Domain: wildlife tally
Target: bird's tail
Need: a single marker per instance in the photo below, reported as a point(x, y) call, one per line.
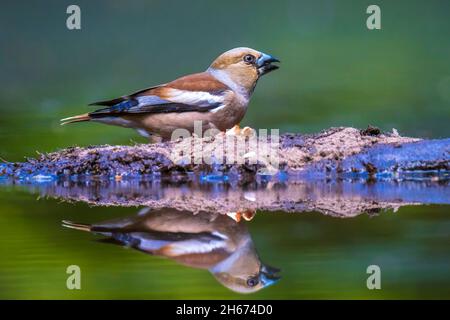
point(77, 226)
point(79, 118)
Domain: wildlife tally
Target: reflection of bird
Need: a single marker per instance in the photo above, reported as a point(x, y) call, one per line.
point(203, 240)
point(217, 97)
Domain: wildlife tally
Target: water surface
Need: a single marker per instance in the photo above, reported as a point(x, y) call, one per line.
point(153, 239)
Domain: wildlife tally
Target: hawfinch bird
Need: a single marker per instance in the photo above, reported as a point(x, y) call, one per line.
point(205, 240)
point(218, 97)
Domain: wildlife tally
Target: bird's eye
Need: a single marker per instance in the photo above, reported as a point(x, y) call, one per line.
point(251, 282)
point(248, 58)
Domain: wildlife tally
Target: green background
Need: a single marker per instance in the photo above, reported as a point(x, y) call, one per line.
point(334, 72)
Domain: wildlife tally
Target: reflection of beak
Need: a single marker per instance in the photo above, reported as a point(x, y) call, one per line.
point(268, 269)
point(269, 275)
point(264, 64)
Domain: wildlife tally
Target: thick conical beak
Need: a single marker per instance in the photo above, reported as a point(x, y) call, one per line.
point(264, 63)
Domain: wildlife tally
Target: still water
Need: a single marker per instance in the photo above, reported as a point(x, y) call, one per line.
point(291, 239)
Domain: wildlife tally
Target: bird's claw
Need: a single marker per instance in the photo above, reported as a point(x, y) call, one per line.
point(237, 131)
point(248, 132)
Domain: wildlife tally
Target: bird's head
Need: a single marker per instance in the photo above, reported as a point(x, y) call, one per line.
point(242, 67)
point(245, 282)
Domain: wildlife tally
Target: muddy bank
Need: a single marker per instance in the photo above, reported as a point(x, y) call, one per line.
point(332, 153)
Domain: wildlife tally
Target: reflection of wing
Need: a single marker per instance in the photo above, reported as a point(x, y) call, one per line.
point(199, 241)
point(198, 92)
point(200, 250)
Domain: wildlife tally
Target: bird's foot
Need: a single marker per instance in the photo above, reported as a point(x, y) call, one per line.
point(237, 131)
point(248, 132)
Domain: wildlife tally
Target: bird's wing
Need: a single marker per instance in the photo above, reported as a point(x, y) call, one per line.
point(197, 92)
